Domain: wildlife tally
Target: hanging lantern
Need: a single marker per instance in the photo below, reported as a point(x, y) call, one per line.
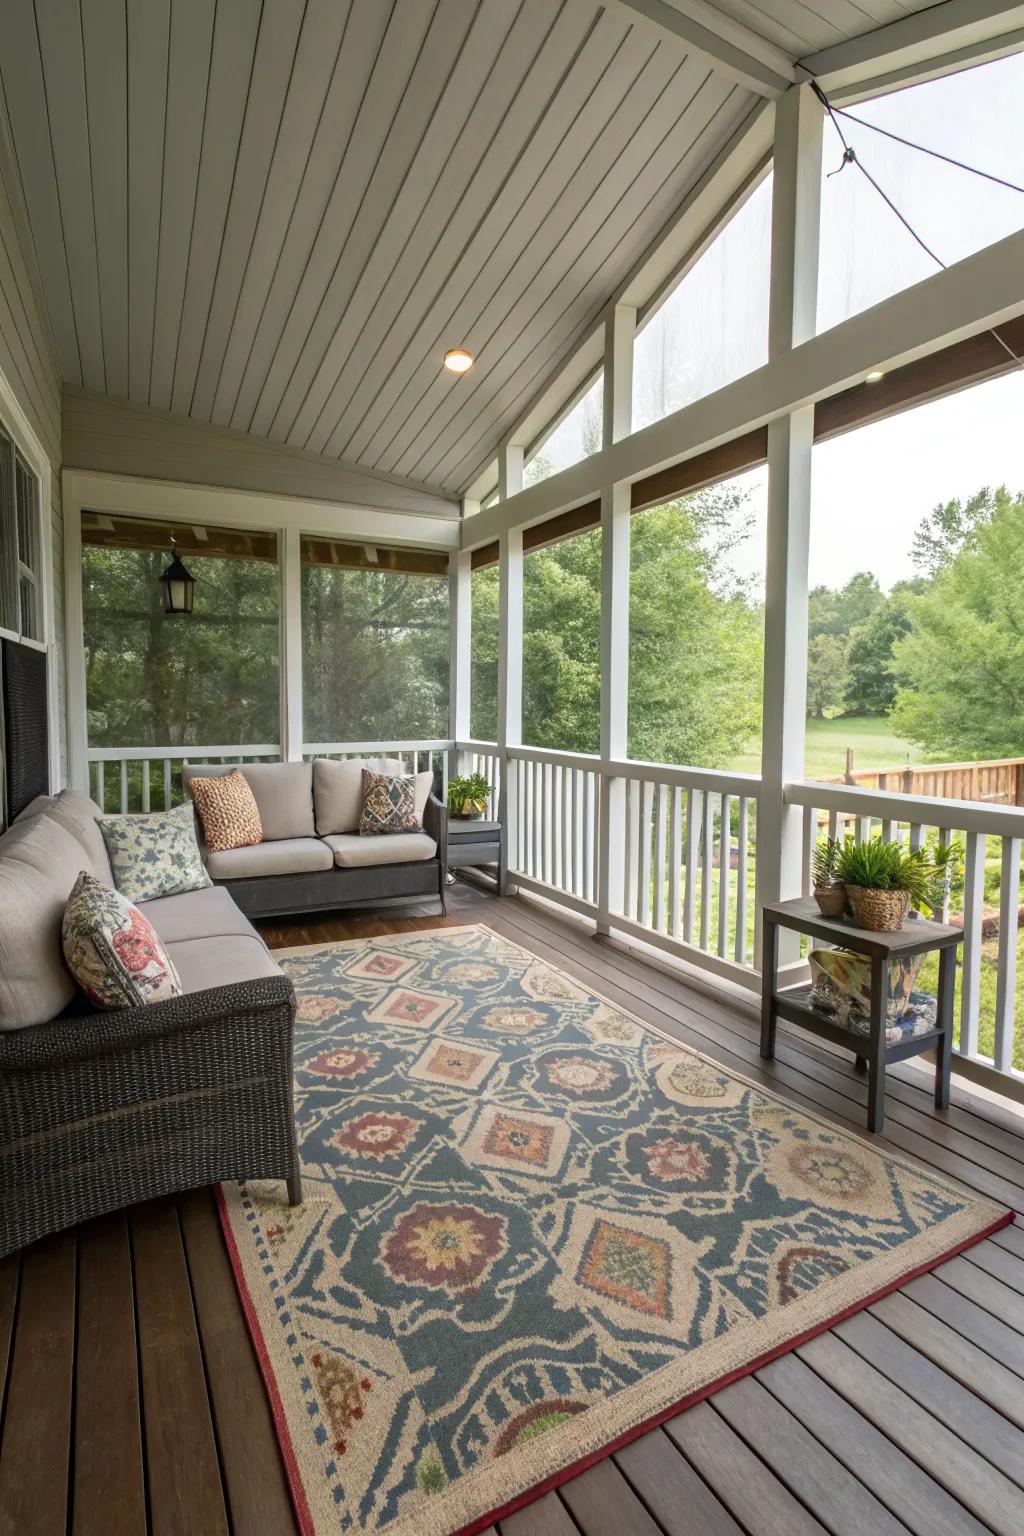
point(179, 585)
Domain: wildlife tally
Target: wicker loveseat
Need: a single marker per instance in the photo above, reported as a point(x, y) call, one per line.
point(99, 1110)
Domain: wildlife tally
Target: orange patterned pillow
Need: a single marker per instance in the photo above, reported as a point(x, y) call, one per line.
point(228, 811)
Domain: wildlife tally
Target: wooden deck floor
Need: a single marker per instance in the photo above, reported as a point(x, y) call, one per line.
point(132, 1400)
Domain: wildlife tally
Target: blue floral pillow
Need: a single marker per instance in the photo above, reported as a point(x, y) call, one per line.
point(154, 855)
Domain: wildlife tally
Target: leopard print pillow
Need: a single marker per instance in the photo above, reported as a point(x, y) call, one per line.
point(228, 811)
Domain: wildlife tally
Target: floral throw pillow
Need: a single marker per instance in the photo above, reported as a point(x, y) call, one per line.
point(154, 855)
point(389, 804)
point(228, 811)
point(112, 951)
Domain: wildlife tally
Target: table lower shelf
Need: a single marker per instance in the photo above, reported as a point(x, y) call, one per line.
point(792, 1005)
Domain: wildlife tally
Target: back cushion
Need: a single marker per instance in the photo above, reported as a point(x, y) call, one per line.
point(338, 791)
point(82, 815)
point(40, 861)
point(283, 791)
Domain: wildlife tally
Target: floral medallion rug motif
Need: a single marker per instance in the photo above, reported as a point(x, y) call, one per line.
point(532, 1227)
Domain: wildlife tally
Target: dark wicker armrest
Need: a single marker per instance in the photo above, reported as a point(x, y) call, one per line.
point(81, 1037)
point(435, 822)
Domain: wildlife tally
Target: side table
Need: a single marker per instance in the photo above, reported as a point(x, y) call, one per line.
point(917, 937)
point(474, 842)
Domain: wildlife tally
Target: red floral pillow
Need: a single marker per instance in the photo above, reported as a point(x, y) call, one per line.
point(112, 950)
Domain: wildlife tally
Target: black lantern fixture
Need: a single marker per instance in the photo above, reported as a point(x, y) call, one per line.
point(179, 585)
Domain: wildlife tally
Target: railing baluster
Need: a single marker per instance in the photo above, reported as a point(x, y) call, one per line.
point(974, 895)
point(740, 951)
point(580, 833)
point(590, 792)
point(943, 914)
point(632, 846)
point(101, 786)
point(693, 800)
point(565, 871)
point(916, 835)
point(659, 859)
point(724, 871)
point(1006, 967)
point(675, 859)
point(547, 809)
point(124, 786)
point(707, 839)
point(145, 784)
point(833, 825)
point(537, 817)
point(643, 892)
point(810, 839)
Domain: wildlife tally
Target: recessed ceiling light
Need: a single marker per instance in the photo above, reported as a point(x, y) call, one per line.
point(458, 360)
point(874, 376)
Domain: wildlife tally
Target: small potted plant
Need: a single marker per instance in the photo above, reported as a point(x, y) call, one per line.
point(829, 890)
point(468, 795)
point(884, 880)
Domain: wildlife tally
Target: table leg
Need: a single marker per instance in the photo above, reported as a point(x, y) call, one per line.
point(769, 965)
point(944, 1019)
point(876, 1062)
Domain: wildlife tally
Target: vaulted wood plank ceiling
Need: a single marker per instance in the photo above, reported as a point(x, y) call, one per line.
point(277, 216)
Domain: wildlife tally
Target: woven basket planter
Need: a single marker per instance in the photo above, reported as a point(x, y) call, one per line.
point(879, 911)
point(831, 899)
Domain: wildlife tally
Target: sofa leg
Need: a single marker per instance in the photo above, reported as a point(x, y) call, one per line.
point(295, 1189)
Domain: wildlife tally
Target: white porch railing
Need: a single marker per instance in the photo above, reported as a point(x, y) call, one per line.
point(123, 779)
point(991, 840)
point(553, 846)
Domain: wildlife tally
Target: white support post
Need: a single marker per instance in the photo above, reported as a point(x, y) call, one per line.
point(511, 458)
point(74, 640)
point(796, 204)
point(460, 620)
point(291, 646)
point(620, 330)
point(510, 681)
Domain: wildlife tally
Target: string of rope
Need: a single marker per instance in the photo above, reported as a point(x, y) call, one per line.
point(850, 157)
point(862, 122)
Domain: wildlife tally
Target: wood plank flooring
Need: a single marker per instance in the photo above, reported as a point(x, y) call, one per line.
point(132, 1401)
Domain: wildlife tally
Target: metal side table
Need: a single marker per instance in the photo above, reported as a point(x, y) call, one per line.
point(474, 843)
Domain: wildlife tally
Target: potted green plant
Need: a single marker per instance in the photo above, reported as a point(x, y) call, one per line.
point(829, 890)
point(468, 795)
point(884, 880)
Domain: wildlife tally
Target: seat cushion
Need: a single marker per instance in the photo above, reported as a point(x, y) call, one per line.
point(283, 791)
point(40, 860)
point(286, 856)
point(206, 914)
point(112, 950)
point(227, 810)
point(338, 790)
point(352, 851)
point(155, 854)
point(205, 963)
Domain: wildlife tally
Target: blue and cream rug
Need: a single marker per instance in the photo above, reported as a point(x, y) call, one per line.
point(533, 1227)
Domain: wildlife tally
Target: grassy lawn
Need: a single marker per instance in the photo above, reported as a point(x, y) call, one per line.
point(874, 744)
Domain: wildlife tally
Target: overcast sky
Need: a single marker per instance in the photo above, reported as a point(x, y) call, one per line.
point(872, 488)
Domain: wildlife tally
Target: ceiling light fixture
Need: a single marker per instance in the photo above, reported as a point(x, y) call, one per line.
point(874, 376)
point(458, 360)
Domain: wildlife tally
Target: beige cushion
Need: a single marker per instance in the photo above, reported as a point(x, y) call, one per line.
point(284, 793)
point(287, 856)
point(205, 963)
point(353, 852)
point(40, 860)
point(338, 790)
point(206, 914)
point(83, 814)
point(228, 812)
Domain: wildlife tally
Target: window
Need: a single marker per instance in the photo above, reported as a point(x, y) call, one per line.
point(208, 678)
point(696, 642)
point(562, 645)
point(576, 437)
point(374, 643)
point(21, 595)
point(977, 117)
point(916, 606)
point(714, 327)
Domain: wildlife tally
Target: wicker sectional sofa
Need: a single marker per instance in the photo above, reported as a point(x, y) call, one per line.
point(102, 1109)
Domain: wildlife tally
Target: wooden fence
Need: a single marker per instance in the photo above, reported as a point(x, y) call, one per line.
point(999, 781)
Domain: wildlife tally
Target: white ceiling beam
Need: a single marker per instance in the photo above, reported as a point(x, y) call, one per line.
point(971, 296)
point(915, 43)
point(746, 57)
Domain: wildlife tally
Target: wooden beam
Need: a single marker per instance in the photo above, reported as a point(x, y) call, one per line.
point(970, 297)
point(912, 42)
point(734, 50)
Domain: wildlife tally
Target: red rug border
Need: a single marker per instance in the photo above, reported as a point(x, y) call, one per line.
point(564, 1474)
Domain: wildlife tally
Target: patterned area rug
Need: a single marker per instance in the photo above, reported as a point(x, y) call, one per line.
point(533, 1226)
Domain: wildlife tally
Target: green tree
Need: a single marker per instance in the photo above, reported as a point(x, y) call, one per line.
point(952, 526)
point(870, 681)
point(961, 665)
point(826, 672)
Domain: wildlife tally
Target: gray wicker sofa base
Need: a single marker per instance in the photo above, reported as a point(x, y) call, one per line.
point(101, 1109)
